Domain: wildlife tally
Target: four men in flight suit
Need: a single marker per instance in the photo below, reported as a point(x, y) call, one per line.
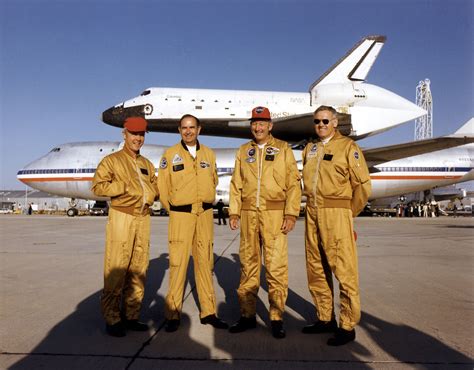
point(129, 180)
point(187, 181)
point(265, 196)
point(337, 186)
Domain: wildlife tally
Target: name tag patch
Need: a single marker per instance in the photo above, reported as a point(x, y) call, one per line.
point(327, 157)
point(269, 157)
point(178, 167)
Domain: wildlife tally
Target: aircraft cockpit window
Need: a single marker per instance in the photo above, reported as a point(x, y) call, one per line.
point(146, 92)
point(55, 149)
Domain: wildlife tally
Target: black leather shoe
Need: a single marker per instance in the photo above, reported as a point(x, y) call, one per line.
point(136, 325)
point(214, 321)
point(342, 337)
point(277, 329)
point(116, 330)
point(320, 327)
point(172, 325)
point(243, 324)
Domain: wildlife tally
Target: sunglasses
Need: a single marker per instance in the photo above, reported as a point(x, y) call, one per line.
point(324, 121)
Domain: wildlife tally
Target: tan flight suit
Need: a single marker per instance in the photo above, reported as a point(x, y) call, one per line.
point(337, 185)
point(187, 190)
point(131, 184)
point(265, 188)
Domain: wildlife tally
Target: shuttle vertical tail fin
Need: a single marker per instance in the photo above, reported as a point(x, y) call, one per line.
point(355, 65)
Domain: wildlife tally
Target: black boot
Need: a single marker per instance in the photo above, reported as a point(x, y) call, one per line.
point(342, 337)
point(214, 321)
point(135, 325)
point(172, 325)
point(243, 324)
point(116, 330)
point(277, 329)
point(320, 327)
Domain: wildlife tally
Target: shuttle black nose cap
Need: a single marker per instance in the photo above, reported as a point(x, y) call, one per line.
point(114, 116)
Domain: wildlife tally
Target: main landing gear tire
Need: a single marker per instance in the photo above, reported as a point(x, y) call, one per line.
point(71, 212)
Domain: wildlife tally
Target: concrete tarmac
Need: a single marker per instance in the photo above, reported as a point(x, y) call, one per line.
point(416, 278)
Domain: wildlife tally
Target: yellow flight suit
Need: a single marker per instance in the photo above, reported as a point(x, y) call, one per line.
point(187, 190)
point(265, 187)
point(132, 186)
point(337, 186)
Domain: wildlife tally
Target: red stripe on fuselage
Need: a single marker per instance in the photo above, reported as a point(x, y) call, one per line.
point(56, 179)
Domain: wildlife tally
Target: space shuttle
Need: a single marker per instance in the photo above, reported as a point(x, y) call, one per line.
point(363, 109)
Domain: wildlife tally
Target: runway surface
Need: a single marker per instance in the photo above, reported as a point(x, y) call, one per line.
point(416, 278)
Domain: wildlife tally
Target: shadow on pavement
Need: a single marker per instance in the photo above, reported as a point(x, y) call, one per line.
point(409, 345)
point(82, 333)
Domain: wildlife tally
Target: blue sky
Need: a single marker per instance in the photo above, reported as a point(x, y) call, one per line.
point(64, 62)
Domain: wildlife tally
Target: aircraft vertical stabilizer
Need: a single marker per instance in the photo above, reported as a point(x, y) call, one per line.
point(467, 128)
point(355, 65)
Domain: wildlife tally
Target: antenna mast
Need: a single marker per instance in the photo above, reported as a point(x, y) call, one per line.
point(424, 124)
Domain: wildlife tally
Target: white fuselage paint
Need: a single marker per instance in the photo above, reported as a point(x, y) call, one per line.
point(68, 169)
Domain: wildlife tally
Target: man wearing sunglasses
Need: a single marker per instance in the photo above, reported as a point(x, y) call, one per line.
point(265, 197)
point(337, 186)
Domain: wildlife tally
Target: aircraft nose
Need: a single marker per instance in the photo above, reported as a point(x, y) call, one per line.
point(116, 115)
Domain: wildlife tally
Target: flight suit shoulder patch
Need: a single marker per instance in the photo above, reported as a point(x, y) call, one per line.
point(163, 163)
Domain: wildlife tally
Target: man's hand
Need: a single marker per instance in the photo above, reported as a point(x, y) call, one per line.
point(234, 222)
point(288, 224)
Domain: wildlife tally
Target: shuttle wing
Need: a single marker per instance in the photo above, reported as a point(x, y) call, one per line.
point(384, 154)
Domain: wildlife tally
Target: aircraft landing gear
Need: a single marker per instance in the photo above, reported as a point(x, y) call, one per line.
point(71, 212)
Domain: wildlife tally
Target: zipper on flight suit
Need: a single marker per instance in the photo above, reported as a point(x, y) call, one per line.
point(259, 172)
point(316, 173)
point(143, 187)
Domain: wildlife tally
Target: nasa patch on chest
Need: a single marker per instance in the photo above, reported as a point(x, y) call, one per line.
point(177, 159)
point(204, 164)
point(271, 150)
point(313, 151)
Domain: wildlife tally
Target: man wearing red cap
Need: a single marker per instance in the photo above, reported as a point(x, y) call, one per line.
point(265, 196)
point(187, 181)
point(129, 180)
point(337, 185)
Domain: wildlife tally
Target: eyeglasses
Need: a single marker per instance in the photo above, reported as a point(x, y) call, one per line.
point(324, 121)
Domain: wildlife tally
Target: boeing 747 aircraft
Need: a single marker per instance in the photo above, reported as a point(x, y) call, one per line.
point(364, 109)
point(68, 169)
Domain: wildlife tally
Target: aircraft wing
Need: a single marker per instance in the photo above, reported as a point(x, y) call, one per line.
point(375, 156)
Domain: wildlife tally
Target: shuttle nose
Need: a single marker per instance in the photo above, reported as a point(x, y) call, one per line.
point(115, 116)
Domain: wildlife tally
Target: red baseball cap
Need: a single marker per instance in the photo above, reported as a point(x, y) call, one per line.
point(136, 124)
point(260, 114)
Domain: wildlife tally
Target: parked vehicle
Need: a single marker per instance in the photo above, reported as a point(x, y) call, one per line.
point(100, 208)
